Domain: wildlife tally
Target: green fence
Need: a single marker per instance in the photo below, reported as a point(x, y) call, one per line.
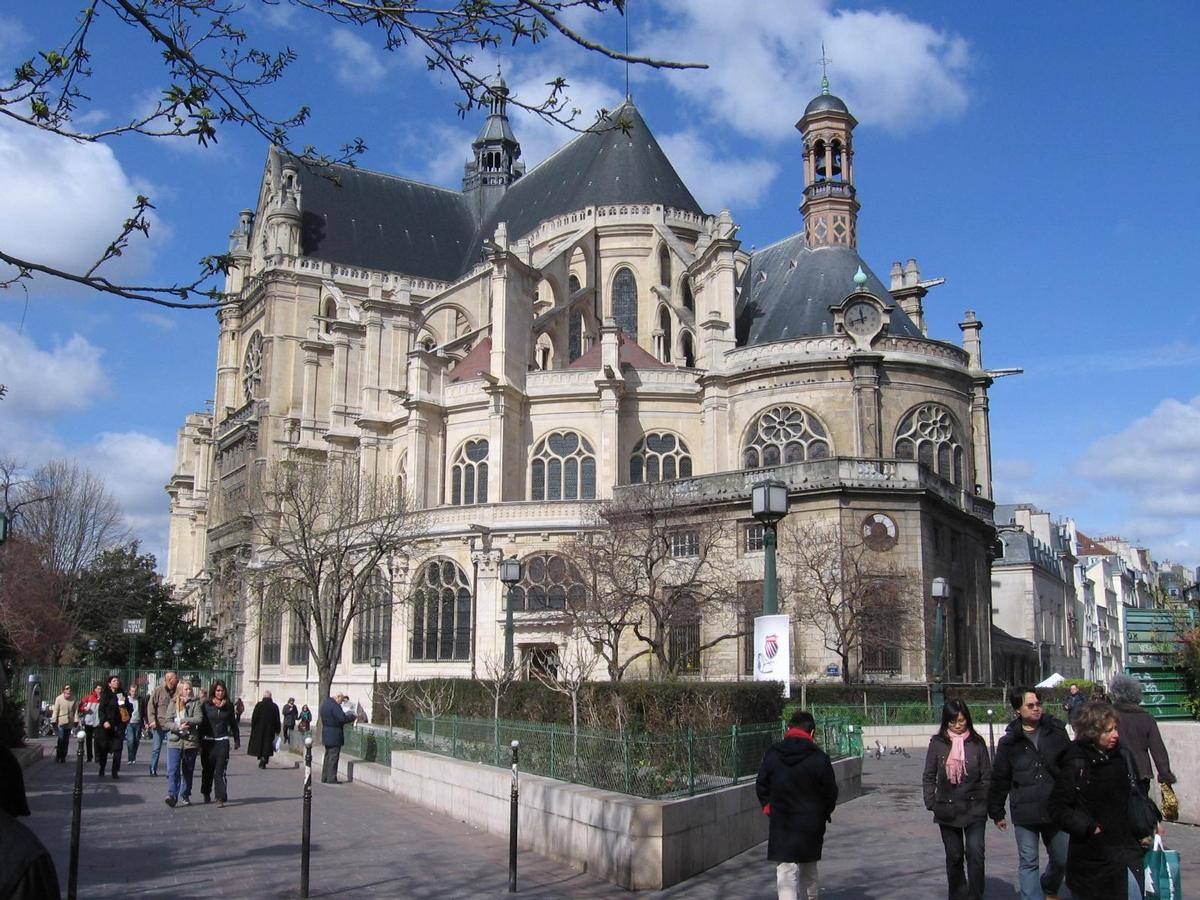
point(81, 678)
point(657, 766)
point(880, 714)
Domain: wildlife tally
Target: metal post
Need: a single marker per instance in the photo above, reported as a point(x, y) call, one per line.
point(939, 660)
point(76, 814)
point(770, 580)
point(306, 834)
point(991, 734)
point(512, 823)
point(508, 631)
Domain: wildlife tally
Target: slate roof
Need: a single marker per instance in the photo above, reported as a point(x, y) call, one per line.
point(823, 102)
point(787, 289)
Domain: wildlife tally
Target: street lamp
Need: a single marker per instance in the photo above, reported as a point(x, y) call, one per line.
point(159, 656)
point(940, 591)
point(177, 648)
point(510, 574)
point(769, 504)
point(92, 645)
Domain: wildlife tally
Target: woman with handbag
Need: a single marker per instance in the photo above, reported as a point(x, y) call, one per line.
point(958, 772)
point(113, 712)
point(1098, 800)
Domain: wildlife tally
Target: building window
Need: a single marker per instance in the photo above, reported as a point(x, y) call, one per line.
point(252, 366)
point(930, 435)
point(548, 582)
point(685, 544)
point(469, 474)
point(688, 301)
point(659, 456)
point(664, 325)
point(564, 468)
point(785, 434)
point(271, 638)
point(441, 613)
point(750, 595)
point(625, 303)
point(878, 660)
point(298, 639)
point(574, 335)
point(373, 625)
point(683, 646)
point(664, 266)
point(753, 538)
point(688, 349)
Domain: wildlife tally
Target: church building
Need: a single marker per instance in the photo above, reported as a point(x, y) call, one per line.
point(515, 353)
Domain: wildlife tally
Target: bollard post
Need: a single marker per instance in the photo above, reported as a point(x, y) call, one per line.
point(306, 833)
point(76, 814)
point(991, 735)
point(512, 824)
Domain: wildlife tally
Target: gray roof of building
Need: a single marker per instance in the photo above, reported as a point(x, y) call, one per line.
point(826, 102)
point(787, 289)
point(496, 128)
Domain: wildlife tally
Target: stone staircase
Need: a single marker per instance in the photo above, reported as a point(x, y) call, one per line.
point(1149, 638)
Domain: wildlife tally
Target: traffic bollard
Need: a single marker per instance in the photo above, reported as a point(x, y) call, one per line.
point(991, 735)
point(306, 836)
point(76, 813)
point(512, 824)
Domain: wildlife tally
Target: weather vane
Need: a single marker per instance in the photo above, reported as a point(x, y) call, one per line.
point(824, 61)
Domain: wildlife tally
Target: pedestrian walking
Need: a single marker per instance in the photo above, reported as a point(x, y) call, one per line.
point(137, 722)
point(63, 715)
point(265, 726)
point(334, 719)
point(1091, 801)
point(220, 728)
point(956, 780)
point(238, 709)
point(89, 714)
point(113, 711)
point(1139, 731)
point(1028, 758)
point(797, 790)
point(1075, 701)
point(290, 713)
point(304, 720)
point(159, 710)
point(183, 743)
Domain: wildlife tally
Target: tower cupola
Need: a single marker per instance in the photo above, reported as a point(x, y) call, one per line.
point(829, 207)
point(495, 164)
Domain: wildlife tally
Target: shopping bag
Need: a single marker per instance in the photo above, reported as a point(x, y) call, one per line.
point(1162, 872)
point(277, 745)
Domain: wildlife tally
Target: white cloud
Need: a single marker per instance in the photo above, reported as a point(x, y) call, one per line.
point(717, 183)
point(136, 466)
point(360, 65)
point(891, 70)
point(48, 383)
point(436, 154)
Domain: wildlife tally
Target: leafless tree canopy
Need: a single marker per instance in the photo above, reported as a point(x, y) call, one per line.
point(214, 73)
point(853, 597)
point(652, 566)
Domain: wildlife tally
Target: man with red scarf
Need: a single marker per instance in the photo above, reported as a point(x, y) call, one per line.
point(798, 791)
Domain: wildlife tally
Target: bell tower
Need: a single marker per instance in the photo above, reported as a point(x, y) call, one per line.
point(829, 208)
point(496, 152)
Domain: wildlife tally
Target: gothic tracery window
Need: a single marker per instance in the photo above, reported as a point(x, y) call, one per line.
point(252, 366)
point(563, 468)
point(930, 435)
point(625, 303)
point(785, 434)
point(373, 626)
point(298, 639)
point(548, 581)
point(271, 635)
point(469, 474)
point(659, 456)
point(441, 608)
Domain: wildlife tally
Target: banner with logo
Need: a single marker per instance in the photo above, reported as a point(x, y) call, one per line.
point(773, 650)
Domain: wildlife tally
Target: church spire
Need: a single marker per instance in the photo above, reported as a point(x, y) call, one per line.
point(829, 207)
point(496, 151)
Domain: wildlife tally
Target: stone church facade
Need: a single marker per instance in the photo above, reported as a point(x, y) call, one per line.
point(513, 354)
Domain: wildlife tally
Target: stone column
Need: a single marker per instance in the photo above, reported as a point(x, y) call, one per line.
point(227, 397)
point(865, 368)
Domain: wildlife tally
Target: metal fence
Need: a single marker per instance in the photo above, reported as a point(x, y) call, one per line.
point(656, 766)
point(880, 714)
point(81, 678)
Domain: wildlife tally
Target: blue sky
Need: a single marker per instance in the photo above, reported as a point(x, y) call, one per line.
point(1038, 158)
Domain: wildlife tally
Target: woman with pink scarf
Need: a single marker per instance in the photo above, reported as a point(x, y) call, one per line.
point(958, 771)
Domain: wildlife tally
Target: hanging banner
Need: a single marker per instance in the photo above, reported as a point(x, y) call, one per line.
point(773, 650)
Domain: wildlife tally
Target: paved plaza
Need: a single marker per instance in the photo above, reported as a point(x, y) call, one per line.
point(370, 844)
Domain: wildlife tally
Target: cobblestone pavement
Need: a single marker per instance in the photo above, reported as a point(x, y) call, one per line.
point(370, 844)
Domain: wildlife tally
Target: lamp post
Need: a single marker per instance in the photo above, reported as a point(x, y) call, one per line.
point(177, 648)
point(376, 662)
point(940, 590)
point(159, 656)
point(510, 574)
point(769, 504)
point(92, 645)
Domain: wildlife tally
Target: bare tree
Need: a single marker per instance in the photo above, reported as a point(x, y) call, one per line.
point(389, 693)
point(856, 600)
point(214, 75)
point(322, 531)
point(433, 698)
point(498, 678)
point(657, 571)
point(574, 672)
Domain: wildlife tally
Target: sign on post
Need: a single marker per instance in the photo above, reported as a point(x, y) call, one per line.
point(133, 626)
point(773, 650)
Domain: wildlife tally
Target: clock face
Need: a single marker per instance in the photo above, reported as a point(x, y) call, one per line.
point(879, 532)
point(862, 318)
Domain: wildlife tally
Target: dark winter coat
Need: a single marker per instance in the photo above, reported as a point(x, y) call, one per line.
point(1092, 790)
point(798, 790)
point(959, 804)
point(219, 722)
point(289, 715)
point(1073, 705)
point(1141, 737)
point(333, 720)
point(1024, 774)
point(110, 711)
point(264, 726)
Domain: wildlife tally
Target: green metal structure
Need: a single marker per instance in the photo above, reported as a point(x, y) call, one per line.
point(1150, 639)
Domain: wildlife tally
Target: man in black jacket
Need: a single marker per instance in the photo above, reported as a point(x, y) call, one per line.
point(1023, 772)
point(798, 791)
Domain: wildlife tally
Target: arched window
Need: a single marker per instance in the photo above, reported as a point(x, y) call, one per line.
point(298, 638)
point(563, 468)
point(819, 160)
point(664, 325)
point(441, 613)
point(271, 634)
point(664, 266)
point(548, 582)
point(575, 335)
point(328, 313)
point(689, 302)
point(252, 366)
point(836, 151)
point(625, 303)
point(469, 474)
point(784, 434)
point(930, 435)
point(402, 477)
point(659, 456)
point(688, 350)
point(373, 625)
point(572, 285)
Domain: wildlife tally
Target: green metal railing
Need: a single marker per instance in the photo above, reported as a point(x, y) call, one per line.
point(81, 678)
point(880, 714)
point(656, 766)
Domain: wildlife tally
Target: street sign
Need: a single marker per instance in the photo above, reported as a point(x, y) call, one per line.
point(832, 670)
point(134, 626)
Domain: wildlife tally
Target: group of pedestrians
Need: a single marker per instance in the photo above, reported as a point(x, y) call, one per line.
point(1079, 799)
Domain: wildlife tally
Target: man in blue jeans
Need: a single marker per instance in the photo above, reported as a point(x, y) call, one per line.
point(1027, 761)
point(158, 714)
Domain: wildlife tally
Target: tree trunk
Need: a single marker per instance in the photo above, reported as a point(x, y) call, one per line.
point(845, 657)
point(324, 686)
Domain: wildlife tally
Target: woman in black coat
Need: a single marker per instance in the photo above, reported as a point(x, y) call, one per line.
point(114, 712)
point(1090, 802)
point(958, 773)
